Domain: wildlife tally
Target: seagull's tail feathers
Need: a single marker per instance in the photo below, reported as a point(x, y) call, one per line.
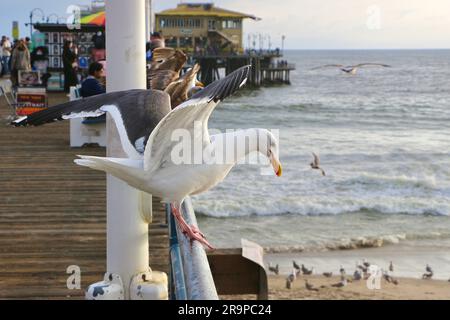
point(128, 170)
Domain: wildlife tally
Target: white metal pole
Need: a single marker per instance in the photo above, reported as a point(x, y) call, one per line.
point(148, 19)
point(127, 233)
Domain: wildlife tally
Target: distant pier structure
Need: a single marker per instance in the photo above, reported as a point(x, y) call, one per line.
point(213, 37)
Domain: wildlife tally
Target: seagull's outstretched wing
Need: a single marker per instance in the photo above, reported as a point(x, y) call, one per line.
point(368, 64)
point(196, 109)
point(135, 112)
point(328, 66)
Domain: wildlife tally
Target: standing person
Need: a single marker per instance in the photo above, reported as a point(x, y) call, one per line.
point(20, 61)
point(5, 53)
point(28, 43)
point(69, 58)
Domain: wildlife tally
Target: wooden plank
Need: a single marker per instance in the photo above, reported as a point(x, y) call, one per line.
point(53, 213)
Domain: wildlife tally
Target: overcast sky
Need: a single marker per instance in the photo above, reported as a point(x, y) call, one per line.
point(307, 24)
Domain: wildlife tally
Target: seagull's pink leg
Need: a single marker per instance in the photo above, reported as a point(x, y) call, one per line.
point(191, 232)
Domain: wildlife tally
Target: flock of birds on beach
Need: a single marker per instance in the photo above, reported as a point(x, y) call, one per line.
point(362, 272)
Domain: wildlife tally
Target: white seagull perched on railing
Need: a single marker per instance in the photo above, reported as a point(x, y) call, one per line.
point(156, 172)
point(352, 69)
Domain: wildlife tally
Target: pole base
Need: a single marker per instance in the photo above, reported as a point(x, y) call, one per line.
point(111, 288)
point(151, 285)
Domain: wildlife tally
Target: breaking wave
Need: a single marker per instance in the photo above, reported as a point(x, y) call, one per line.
point(356, 243)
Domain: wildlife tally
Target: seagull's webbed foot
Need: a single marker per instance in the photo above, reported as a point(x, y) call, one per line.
point(190, 231)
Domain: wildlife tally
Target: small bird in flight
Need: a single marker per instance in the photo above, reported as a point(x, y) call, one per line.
point(316, 164)
point(352, 69)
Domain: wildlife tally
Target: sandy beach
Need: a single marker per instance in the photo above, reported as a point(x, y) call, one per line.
point(407, 289)
point(409, 265)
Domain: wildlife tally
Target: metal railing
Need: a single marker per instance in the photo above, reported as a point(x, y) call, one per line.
point(191, 276)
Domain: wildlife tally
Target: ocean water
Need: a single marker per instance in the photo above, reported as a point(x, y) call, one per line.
point(384, 141)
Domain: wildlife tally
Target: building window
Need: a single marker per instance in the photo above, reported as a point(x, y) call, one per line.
point(191, 23)
point(211, 24)
point(231, 24)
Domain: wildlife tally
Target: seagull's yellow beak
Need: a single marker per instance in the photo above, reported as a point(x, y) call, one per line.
point(277, 168)
point(199, 84)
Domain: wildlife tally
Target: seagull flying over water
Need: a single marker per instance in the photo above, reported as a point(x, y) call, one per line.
point(352, 69)
point(152, 168)
point(316, 164)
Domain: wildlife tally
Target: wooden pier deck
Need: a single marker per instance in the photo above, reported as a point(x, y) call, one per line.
point(53, 213)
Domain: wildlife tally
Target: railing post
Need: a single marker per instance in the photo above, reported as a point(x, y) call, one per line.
point(199, 280)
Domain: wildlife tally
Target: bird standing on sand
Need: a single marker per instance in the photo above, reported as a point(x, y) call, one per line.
point(327, 274)
point(342, 271)
point(290, 279)
point(316, 164)
point(288, 283)
point(357, 275)
point(275, 269)
point(306, 271)
point(389, 278)
point(391, 267)
point(341, 283)
point(295, 265)
point(352, 69)
point(310, 287)
point(428, 274)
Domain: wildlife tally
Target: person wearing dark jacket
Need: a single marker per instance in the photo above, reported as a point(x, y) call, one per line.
point(91, 86)
point(69, 58)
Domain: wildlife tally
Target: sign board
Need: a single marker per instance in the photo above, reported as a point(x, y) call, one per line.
point(29, 78)
point(30, 100)
point(15, 30)
point(186, 32)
